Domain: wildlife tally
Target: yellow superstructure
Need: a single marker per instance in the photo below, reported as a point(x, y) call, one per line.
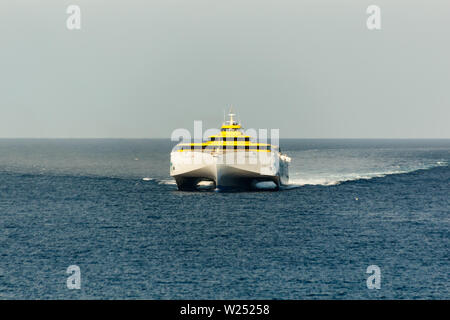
point(230, 138)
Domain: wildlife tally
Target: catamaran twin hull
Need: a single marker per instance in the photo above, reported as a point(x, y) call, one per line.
point(232, 169)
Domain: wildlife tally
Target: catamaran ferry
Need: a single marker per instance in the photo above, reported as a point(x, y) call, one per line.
point(229, 159)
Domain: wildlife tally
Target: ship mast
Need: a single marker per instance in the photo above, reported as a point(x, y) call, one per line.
point(231, 114)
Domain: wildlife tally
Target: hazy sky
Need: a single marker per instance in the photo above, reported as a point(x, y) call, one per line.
point(144, 68)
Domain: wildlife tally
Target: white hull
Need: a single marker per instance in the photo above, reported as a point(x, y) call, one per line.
point(230, 169)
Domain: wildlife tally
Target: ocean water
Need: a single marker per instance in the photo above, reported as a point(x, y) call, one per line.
point(110, 207)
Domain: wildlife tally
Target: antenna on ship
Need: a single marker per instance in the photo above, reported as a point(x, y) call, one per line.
point(231, 114)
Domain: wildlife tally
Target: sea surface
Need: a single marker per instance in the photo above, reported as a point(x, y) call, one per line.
point(111, 208)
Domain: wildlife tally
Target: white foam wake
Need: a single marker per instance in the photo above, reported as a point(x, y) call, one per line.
point(333, 179)
point(167, 181)
point(160, 181)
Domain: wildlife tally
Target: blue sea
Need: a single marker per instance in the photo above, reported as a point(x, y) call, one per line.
point(111, 208)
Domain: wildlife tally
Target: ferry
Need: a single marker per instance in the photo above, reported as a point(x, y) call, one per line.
point(228, 160)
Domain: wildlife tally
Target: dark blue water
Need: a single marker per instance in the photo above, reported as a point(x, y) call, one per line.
point(110, 207)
